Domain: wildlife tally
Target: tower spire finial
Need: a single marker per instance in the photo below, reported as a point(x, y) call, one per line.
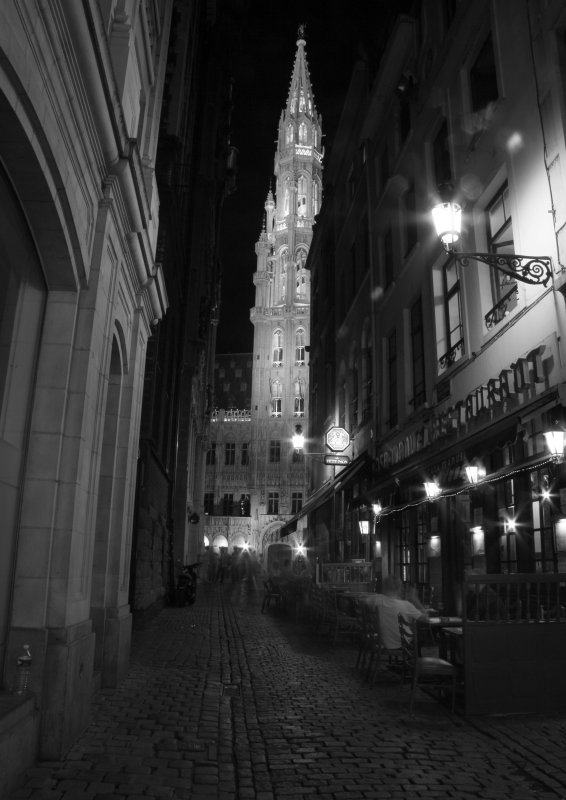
point(302, 30)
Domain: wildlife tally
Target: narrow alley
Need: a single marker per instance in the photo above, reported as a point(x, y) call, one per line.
point(222, 701)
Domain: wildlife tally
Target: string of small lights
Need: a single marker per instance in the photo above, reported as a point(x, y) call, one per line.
point(463, 489)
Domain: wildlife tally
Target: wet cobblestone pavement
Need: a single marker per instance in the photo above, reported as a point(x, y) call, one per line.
point(222, 701)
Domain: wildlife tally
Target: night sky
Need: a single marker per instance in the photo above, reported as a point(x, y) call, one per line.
point(265, 35)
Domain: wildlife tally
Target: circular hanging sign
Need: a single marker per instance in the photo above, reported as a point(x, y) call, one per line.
point(337, 439)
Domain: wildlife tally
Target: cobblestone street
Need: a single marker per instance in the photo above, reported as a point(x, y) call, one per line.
point(222, 701)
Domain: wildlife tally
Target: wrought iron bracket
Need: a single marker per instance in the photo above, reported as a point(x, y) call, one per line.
point(528, 269)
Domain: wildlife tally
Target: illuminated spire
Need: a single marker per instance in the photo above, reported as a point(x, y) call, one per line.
point(301, 99)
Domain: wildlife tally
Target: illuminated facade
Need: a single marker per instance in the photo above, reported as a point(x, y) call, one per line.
point(276, 476)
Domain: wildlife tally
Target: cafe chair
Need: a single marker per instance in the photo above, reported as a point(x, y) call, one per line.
point(271, 594)
point(339, 621)
point(316, 606)
point(424, 670)
point(393, 656)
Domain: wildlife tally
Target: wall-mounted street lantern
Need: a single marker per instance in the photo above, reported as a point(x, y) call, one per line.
point(555, 441)
point(447, 218)
point(298, 438)
point(432, 489)
point(474, 473)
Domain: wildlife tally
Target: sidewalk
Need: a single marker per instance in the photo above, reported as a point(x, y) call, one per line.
point(224, 702)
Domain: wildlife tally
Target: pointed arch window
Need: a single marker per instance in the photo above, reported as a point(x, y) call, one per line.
point(289, 134)
point(286, 196)
point(315, 137)
point(300, 344)
point(302, 102)
point(277, 348)
point(315, 198)
point(302, 133)
point(302, 186)
point(294, 104)
point(299, 398)
point(276, 392)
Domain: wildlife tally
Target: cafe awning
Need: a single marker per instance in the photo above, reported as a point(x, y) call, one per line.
point(325, 492)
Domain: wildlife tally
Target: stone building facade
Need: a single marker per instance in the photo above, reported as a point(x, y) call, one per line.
point(87, 282)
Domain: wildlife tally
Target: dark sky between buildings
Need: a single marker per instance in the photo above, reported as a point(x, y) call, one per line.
point(265, 36)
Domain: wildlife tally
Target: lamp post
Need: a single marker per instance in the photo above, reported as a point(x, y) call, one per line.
point(447, 218)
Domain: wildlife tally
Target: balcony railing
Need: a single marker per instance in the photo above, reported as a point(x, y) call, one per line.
point(451, 356)
point(502, 308)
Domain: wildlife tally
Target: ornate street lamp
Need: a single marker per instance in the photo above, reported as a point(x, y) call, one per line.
point(447, 218)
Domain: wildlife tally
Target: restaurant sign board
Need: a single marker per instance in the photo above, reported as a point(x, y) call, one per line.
point(337, 460)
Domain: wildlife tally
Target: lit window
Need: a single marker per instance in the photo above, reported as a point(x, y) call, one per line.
point(300, 347)
point(302, 196)
point(302, 133)
point(277, 348)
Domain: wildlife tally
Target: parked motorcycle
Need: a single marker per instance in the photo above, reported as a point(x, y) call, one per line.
point(186, 587)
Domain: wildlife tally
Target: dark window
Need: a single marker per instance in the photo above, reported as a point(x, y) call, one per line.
point(411, 219)
point(298, 456)
point(500, 238)
point(274, 451)
point(296, 502)
point(483, 77)
point(417, 350)
point(209, 503)
point(211, 455)
point(227, 504)
point(273, 503)
point(389, 271)
point(245, 454)
point(230, 454)
point(452, 305)
point(392, 377)
point(441, 157)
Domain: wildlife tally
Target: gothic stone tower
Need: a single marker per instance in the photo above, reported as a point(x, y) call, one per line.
point(281, 313)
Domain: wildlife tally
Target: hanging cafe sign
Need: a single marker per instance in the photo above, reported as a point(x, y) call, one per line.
point(489, 399)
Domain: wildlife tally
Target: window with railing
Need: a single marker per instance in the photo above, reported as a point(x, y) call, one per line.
point(227, 505)
point(452, 315)
point(208, 503)
point(499, 225)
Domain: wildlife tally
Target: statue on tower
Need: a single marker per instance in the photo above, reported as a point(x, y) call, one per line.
point(302, 31)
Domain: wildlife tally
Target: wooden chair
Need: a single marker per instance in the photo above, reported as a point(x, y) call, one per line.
point(316, 606)
point(378, 651)
point(424, 670)
point(271, 593)
point(339, 621)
